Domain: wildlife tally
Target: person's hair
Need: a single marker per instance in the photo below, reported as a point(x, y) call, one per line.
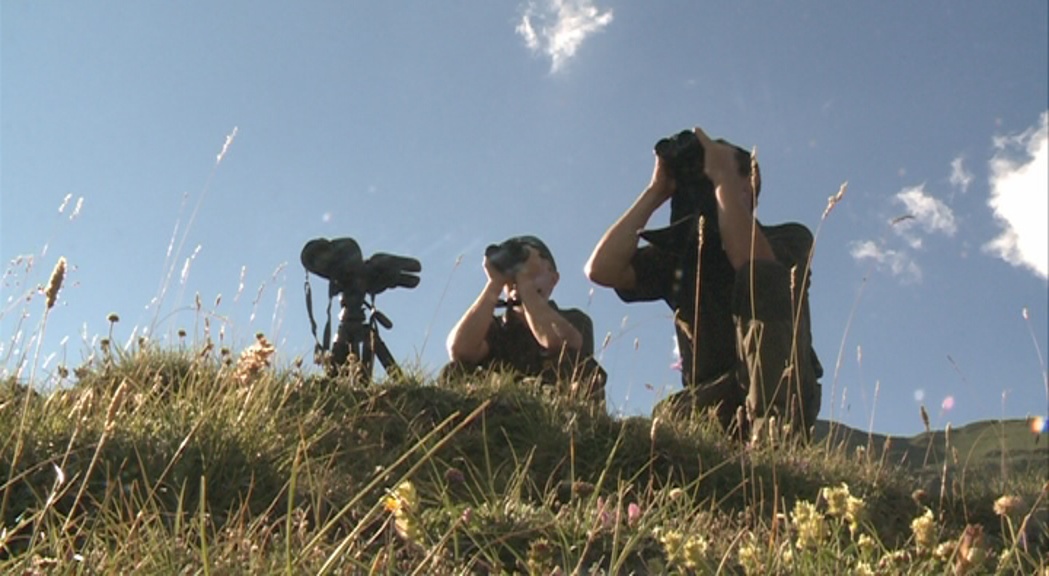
point(539, 246)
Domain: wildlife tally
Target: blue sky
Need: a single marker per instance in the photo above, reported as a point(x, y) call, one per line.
point(433, 129)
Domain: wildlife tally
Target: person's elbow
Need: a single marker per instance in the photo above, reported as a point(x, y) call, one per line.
point(460, 351)
point(608, 274)
point(598, 271)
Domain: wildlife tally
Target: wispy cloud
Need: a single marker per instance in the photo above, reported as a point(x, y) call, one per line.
point(899, 263)
point(1019, 191)
point(960, 177)
point(925, 213)
point(557, 28)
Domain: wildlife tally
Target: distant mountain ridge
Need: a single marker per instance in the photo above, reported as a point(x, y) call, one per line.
point(994, 445)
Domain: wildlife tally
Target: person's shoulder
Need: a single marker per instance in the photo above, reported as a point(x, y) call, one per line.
point(793, 238)
point(788, 231)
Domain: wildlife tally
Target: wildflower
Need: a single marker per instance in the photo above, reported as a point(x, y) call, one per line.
point(924, 529)
point(809, 523)
point(897, 559)
point(113, 318)
point(401, 501)
point(1006, 505)
point(863, 569)
point(55, 283)
point(454, 476)
point(786, 555)
point(750, 558)
point(633, 514)
point(971, 551)
point(540, 556)
point(694, 551)
point(672, 542)
point(836, 498)
point(406, 527)
point(403, 497)
point(866, 544)
point(944, 550)
point(675, 493)
point(254, 359)
point(604, 517)
point(855, 511)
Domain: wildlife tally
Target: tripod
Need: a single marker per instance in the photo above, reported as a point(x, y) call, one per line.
point(358, 335)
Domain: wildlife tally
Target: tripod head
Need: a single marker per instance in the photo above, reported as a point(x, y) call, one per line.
point(358, 281)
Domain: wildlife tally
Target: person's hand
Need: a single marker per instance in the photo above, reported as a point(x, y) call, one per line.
point(721, 164)
point(530, 269)
point(496, 279)
point(662, 184)
point(719, 158)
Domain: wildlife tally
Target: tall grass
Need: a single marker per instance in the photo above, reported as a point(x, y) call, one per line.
point(184, 461)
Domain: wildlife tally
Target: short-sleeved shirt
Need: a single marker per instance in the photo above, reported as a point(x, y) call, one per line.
point(663, 274)
point(511, 344)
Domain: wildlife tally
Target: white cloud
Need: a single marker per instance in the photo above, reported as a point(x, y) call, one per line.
point(563, 25)
point(899, 263)
point(1019, 192)
point(960, 177)
point(931, 214)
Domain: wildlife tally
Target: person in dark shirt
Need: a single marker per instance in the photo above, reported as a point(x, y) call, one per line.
point(533, 337)
point(743, 329)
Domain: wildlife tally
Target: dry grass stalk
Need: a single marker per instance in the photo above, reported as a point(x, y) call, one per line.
point(833, 200)
point(55, 283)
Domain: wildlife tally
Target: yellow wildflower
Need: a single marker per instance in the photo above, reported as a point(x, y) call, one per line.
point(809, 523)
point(402, 498)
point(836, 499)
point(863, 569)
point(750, 558)
point(924, 529)
point(695, 550)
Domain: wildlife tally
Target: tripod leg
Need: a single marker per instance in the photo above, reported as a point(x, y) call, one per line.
point(388, 363)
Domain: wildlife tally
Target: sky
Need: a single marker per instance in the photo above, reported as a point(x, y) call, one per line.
point(179, 155)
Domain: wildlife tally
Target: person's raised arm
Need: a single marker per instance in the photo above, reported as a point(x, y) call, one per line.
point(533, 286)
point(467, 341)
point(741, 239)
point(610, 262)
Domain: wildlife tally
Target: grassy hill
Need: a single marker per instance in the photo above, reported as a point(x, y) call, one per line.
point(194, 461)
point(1000, 448)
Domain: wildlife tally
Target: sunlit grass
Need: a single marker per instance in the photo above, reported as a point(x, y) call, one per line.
point(189, 460)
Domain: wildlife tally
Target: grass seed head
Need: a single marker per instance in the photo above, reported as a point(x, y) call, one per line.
point(55, 283)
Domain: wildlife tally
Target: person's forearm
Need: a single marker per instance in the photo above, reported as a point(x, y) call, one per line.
point(741, 238)
point(609, 264)
point(466, 342)
point(551, 330)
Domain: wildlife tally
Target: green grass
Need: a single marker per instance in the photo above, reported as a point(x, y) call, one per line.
point(165, 461)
